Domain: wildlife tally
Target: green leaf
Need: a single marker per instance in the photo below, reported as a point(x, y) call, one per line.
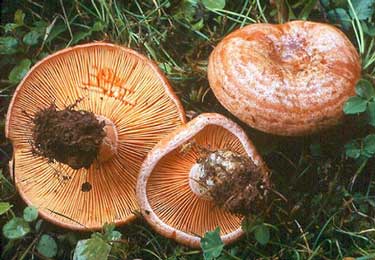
point(369, 29)
point(333, 4)
point(80, 36)
point(167, 68)
point(9, 27)
point(369, 144)
point(365, 89)
point(108, 228)
point(352, 150)
point(247, 225)
point(19, 71)
point(371, 113)
point(31, 38)
point(42, 55)
point(16, 228)
point(309, 6)
point(19, 17)
point(8, 45)
point(115, 235)
point(92, 249)
point(214, 4)
point(198, 25)
point(363, 8)
point(30, 214)
point(5, 207)
point(6, 186)
point(70, 238)
point(325, 3)
point(110, 234)
point(211, 244)
point(186, 10)
point(98, 26)
point(47, 246)
point(339, 15)
point(355, 105)
point(40, 26)
point(54, 31)
point(262, 234)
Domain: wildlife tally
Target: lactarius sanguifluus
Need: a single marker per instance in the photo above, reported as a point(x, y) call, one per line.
point(81, 123)
point(203, 175)
point(289, 79)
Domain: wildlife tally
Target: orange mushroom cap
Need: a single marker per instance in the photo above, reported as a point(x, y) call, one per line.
point(121, 87)
point(164, 191)
point(288, 79)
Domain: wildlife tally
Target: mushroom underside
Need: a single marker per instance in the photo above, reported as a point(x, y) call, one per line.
point(114, 85)
point(174, 200)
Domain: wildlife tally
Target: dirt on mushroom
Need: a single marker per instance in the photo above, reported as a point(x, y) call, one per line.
point(233, 182)
point(69, 136)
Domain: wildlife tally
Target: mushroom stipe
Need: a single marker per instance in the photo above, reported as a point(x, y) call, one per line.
point(233, 181)
point(67, 136)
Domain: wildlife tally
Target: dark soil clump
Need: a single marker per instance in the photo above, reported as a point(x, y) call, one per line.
point(67, 136)
point(234, 182)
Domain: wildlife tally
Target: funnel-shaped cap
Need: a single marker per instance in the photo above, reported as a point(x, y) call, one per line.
point(165, 194)
point(118, 85)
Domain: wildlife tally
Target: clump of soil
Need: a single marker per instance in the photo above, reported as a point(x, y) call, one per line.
point(233, 181)
point(68, 136)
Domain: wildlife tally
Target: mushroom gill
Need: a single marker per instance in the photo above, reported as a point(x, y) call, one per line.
point(121, 88)
point(170, 200)
point(169, 190)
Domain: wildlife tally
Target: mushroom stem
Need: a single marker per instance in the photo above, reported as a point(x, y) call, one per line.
point(195, 183)
point(232, 181)
point(108, 147)
point(73, 137)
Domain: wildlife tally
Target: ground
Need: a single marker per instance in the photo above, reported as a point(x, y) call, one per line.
point(326, 179)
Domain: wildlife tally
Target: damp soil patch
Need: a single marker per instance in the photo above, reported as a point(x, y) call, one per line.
point(69, 136)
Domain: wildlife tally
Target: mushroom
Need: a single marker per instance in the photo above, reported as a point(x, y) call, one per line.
point(81, 123)
point(176, 185)
point(290, 79)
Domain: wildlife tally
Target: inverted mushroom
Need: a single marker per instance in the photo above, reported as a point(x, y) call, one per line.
point(177, 179)
point(128, 105)
point(289, 79)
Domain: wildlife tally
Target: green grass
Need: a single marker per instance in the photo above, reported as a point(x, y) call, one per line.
point(330, 208)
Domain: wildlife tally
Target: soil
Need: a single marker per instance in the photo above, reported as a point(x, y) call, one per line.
point(234, 182)
point(69, 136)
